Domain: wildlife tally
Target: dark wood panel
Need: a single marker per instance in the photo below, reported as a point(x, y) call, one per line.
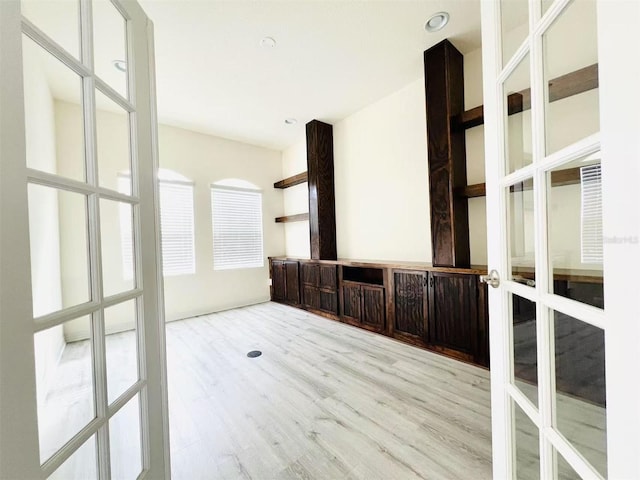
point(481, 356)
point(328, 276)
point(291, 181)
point(573, 83)
point(410, 299)
point(278, 281)
point(293, 282)
point(329, 301)
point(351, 301)
point(310, 273)
point(453, 315)
point(311, 297)
point(444, 95)
point(299, 217)
point(322, 209)
point(373, 307)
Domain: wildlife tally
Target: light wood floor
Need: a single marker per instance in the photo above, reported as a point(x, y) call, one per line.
point(324, 401)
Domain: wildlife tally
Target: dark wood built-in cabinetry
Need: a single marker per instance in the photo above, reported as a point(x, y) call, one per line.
point(440, 309)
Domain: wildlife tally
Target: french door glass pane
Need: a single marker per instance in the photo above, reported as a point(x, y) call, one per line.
point(64, 380)
point(520, 225)
point(59, 20)
point(514, 20)
point(517, 121)
point(54, 124)
point(116, 229)
point(109, 42)
point(527, 445)
point(121, 345)
point(114, 148)
point(124, 439)
point(575, 230)
point(580, 388)
point(58, 231)
point(525, 347)
point(545, 5)
point(82, 465)
point(570, 75)
point(565, 472)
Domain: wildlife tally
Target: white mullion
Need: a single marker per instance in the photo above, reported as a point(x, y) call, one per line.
point(514, 62)
point(58, 182)
point(117, 196)
point(525, 404)
point(121, 297)
point(520, 175)
point(574, 458)
point(521, 290)
point(61, 316)
point(113, 95)
point(550, 16)
point(123, 399)
point(581, 148)
point(573, 308)
point(46, 42)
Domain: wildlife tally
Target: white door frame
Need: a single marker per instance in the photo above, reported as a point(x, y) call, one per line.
point(19, 447)
point(619, 142)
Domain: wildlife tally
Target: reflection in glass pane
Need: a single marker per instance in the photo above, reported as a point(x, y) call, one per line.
point(54, 125)
point(64, 380)
point(521, 232)
point(121, 343)
point(525, 350)
point(58, 230)
point(114, 152)
point(60, 20)
point(124, 439)
point(571, 75)
point(580, 388)
point(545, 5)
point(81, 465)
point(575, 230)
point(514, 21)
point(116, 229)
point(527, 446)
point(565, 472)
point(109, 45)
point(517, 94)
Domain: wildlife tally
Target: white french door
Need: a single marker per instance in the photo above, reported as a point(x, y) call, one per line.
point(562, 156)
point(82, 356)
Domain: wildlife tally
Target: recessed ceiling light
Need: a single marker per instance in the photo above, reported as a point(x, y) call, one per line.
point(120, 65)
point(436, 22)
point(290, 121)
point(268, 42)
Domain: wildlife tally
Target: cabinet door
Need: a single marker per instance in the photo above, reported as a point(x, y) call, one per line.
point(293, 282)
point(278, 281)
point(453, 320)
point(373, 307)
point(351, 306)
point(328, 277)
point(311, 297)
point(329, 301)
point(310, 274)
point(410, 302)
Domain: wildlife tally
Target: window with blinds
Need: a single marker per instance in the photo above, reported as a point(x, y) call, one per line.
point(591, 214)
point(176, 226)
point(237, 228)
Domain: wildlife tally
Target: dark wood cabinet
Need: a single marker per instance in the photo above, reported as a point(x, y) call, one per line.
point(351, 304)
point(363, 305)
point(285, 284)
point(319, 290)
point(411, 310)
point(453, 315)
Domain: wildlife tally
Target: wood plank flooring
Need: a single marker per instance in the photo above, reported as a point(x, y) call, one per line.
point(324, 401)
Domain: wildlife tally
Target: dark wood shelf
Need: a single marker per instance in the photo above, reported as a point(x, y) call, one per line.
point(569, 176)
point(300, 217)
point(291, 181)
point(573, 83)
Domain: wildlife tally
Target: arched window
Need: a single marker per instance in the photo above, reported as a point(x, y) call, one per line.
point(176, 224)
point(236, 215)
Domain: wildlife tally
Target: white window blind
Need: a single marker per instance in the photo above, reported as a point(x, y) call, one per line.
point(591, 214)
point(176, 224)
point(237, 228)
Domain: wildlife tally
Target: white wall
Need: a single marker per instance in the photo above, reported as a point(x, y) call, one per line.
point(43, 217)
point(296, 200)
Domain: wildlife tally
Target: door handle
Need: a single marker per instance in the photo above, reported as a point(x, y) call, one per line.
point(493, 279)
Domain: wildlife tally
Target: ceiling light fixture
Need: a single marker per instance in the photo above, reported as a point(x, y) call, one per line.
point(290, 121)
point(268, 42)
point(120, 65)
point(436, 22)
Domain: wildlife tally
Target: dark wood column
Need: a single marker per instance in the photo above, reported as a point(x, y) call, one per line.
point(322, 203)
point(444, 88)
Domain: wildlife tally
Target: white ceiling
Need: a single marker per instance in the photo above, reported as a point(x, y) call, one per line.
point(332, 58)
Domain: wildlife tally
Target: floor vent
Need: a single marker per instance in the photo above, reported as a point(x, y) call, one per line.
point(254, 353)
